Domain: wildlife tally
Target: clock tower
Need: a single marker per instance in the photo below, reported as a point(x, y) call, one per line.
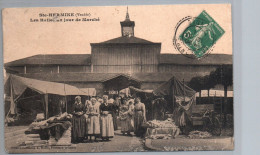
point(127, 26)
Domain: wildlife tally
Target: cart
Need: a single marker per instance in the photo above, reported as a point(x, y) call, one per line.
point(208, 120)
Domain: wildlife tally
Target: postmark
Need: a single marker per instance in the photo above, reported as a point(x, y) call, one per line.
point(195, 37)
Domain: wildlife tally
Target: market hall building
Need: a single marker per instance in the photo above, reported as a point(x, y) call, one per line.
point(116, 64)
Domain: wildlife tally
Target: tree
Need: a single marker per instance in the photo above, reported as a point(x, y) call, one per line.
point(209, 82)
point(196, 83)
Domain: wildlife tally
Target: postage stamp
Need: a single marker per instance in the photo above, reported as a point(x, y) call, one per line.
point(201, 34)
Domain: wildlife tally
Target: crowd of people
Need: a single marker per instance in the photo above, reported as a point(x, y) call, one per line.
point(98, 117)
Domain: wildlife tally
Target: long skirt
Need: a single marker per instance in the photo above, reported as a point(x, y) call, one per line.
point(107, 127)
point(93, 125)
point(78, 127)
point(127, 125)
point(138, 121)
point(115, 121)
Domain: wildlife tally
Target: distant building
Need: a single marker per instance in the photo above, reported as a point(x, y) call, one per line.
point(116, 64)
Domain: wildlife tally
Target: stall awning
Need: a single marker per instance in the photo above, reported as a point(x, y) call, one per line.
point(89, 91)
point(133, 89)
point(20, 84)
point(174, 87)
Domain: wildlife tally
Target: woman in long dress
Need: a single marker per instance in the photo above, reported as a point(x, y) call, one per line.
point(139, 116)
point(131, 108)
point(115, 112)
point(93, 124)
point(107, 127)
point(125, 117)
point(78, 121)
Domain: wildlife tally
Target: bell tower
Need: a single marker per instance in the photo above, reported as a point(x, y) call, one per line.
point(127, 26)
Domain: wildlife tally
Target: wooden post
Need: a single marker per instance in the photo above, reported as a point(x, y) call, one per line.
point(183, 90)
point(58, 71)
point(173, 98)
point(65, 98)
point(25, 70)
point(46, 106)
point(91, 69)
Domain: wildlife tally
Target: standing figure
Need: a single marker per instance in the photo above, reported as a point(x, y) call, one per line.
point(93, 125)
point(88, 105)
point(125, 118)
point(131, 108)
point(159, 107)
point(107, 127)
point(139, 116)
point(115, 112)
point(78, 121)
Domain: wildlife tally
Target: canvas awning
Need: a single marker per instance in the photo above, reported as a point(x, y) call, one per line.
point(20, 84)
point(133, 89)
point(89, 91)
point(174, 87)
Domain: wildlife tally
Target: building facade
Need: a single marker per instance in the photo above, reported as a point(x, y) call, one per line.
point(116, 64)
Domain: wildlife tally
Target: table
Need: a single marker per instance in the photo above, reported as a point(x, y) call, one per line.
point(161, 133)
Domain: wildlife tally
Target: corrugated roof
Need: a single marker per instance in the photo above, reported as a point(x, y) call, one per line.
point(211, 59)
point(100, 77)
point(125, 40)
point(51, 59)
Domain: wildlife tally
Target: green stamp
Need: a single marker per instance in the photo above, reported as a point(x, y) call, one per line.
point(201, 34)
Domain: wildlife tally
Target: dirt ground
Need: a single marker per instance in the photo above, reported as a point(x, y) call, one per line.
point(14, 136)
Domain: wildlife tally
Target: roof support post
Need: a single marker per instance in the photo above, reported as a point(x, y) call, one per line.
point(24, 69)
point(46, 106)
point(91, 68)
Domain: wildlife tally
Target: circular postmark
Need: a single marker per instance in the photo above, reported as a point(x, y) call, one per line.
point(194, 37)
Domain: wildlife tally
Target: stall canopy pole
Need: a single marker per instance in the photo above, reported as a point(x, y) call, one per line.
point(46, 105)
point(12, 105)
point(65, 98)
point(173, 97)
point(183, 90)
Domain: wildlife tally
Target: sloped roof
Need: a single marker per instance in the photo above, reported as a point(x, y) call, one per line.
point(125, 40)
point(51, 59)
point(211, 59)
point(121, 75)
point(100, 77)
point(85, 59)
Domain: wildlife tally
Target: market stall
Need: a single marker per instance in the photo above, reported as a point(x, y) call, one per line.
point(27, 93)
point(54, 131)
point(147, 97)
point(182, 97)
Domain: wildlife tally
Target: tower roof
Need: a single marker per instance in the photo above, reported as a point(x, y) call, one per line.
point(127, 21)
point(127, 18)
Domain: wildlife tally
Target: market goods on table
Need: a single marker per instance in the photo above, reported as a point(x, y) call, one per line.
point(54, 126)
point(157, 129)
point(199, 134)
point(168, 123)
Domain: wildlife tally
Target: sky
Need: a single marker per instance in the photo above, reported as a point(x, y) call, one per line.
point(23, 38)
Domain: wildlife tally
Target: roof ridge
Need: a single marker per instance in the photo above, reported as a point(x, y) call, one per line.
point(125, 39)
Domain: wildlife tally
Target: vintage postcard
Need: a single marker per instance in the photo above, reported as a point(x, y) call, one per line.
point(118, 78)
